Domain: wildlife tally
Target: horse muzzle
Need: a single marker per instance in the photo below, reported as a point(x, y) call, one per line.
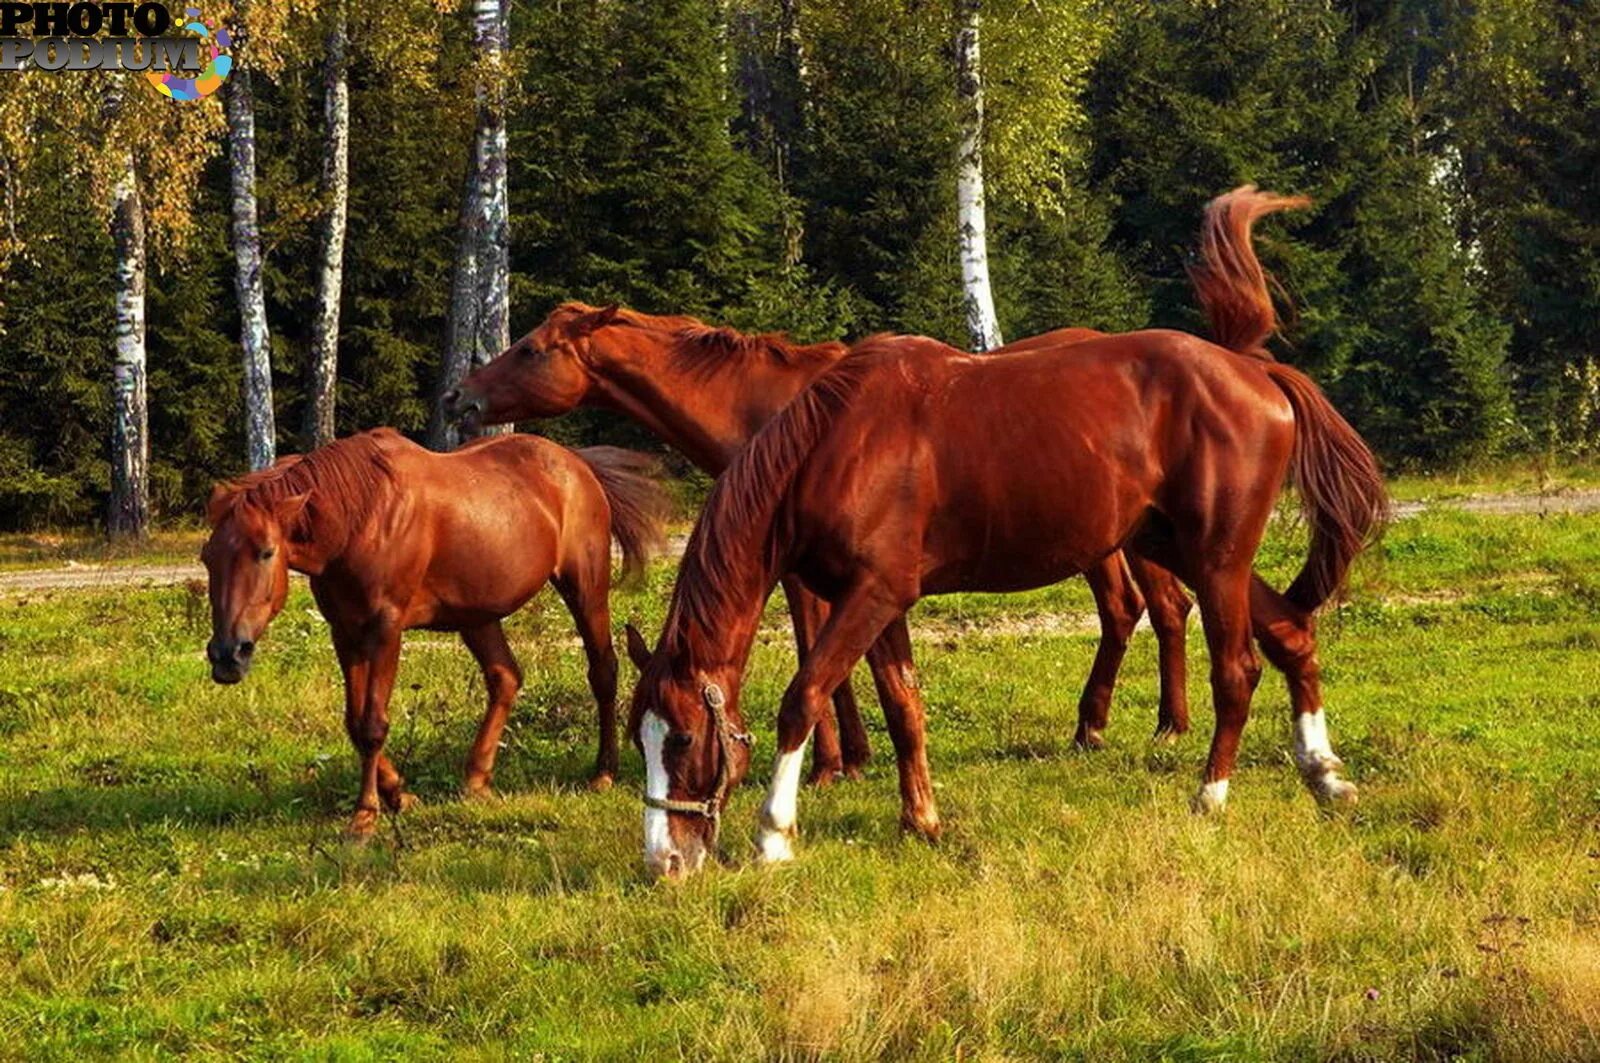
point(464, 406)
point(230, 661)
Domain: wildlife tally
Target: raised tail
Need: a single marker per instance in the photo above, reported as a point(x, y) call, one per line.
point(1228, 278)
point(639, 504)
point(1341, 489)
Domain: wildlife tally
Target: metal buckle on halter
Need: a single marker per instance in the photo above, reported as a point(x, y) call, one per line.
point(711, 807)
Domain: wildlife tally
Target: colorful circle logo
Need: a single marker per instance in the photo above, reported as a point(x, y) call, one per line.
point(216, 69)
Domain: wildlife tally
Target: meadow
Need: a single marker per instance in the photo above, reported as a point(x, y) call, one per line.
point(173, 879)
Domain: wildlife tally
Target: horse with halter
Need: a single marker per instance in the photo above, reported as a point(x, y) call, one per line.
point(911, 468)
point(706, 391)
point(396, 537)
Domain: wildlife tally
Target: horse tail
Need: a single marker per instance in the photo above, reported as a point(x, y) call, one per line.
point(1228, 278)
point(1341, 489)
point(639, 504)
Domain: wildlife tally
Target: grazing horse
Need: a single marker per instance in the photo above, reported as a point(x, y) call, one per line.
point(913, 469)
point(706, 391)
point(396, 537)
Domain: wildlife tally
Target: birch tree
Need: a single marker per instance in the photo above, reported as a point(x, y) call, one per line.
point(480, 314)
point(260, 427)
point(323, 371)
point(128, 512)
point(983, 327)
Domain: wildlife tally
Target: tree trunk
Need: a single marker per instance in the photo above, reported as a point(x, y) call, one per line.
point(461, 323)
point(323, 376)
point(983, 327)
point(128, 514)
point(259, 428)
point(480, 282)
point(491, 30)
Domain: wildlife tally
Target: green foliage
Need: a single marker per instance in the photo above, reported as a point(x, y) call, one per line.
point(712, 158)
point(1192, 98)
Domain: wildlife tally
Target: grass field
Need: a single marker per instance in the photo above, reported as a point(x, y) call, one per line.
point(172, 878)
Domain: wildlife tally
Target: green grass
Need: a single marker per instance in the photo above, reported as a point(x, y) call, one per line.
point(172, 877)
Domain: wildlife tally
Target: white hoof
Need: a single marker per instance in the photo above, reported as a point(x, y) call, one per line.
point(1213, 797)
point(776, 846)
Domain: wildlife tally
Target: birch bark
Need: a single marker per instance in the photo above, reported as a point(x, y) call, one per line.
point(323, 376)
point(983, 327)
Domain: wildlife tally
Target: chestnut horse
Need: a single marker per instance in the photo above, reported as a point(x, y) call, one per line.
point(913, 469)
point(706, 391)
point(396, 537)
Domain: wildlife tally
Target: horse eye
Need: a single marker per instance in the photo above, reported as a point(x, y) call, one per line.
point(679, 740)
point(266, 555)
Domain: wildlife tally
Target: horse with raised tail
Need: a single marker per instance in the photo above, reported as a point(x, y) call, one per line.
point(913, 469)
point(396, 537)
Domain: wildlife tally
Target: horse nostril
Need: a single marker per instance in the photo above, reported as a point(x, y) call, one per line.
point(245, 649)
point(452, 397)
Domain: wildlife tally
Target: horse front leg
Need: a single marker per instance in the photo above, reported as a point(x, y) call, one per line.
point(369, 681)
point(831, 757)
point(901, 696)
point(852, 626)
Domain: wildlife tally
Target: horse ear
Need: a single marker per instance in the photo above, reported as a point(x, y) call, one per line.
point(638, 652)
point(603, 317)
point(286, 511)
point(221, 500)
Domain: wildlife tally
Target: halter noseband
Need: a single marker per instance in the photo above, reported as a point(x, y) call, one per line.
point(711, 807)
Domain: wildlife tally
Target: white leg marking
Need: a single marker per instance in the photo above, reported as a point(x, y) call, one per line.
point(1314, 756)
point(779, 812)
point(657, 839)
point(1213, 797)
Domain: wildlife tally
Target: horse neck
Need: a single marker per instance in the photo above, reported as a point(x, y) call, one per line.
point(707, 416)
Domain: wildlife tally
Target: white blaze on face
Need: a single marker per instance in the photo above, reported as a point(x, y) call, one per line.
point(779, 813)
point(657, 838)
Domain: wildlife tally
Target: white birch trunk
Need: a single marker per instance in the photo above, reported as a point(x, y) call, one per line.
point(323, 378)
point(480, 310)
point(129, 511)
point(983, 327)
point(259, 428)
point(491, 31)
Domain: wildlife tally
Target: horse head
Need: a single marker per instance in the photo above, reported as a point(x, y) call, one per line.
point(247, 567)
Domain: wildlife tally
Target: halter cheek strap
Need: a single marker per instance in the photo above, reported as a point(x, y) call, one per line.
point(711, 808)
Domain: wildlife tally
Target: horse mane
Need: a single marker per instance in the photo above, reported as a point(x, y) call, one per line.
point(346, 481)
point(702, 349)
point(739, 538)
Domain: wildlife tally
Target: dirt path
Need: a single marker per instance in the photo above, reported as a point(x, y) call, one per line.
point(76, 575)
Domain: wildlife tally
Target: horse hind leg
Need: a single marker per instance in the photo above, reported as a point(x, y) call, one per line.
point(1287, 636)
point(1120, 605)
point(1169, 608)
point(587, 594)
point(503, 679)
point(1225, 608)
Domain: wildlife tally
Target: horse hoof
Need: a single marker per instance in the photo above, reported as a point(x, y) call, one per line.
point(823, 775)
point(927, 828)
point(1165, 736)
point(1212, 798)
point(851, 773)
point(1331, 790)
point(601, 783)
point(775, 846)
point(481, 792)
point(1089, 738)
point(363, 825)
